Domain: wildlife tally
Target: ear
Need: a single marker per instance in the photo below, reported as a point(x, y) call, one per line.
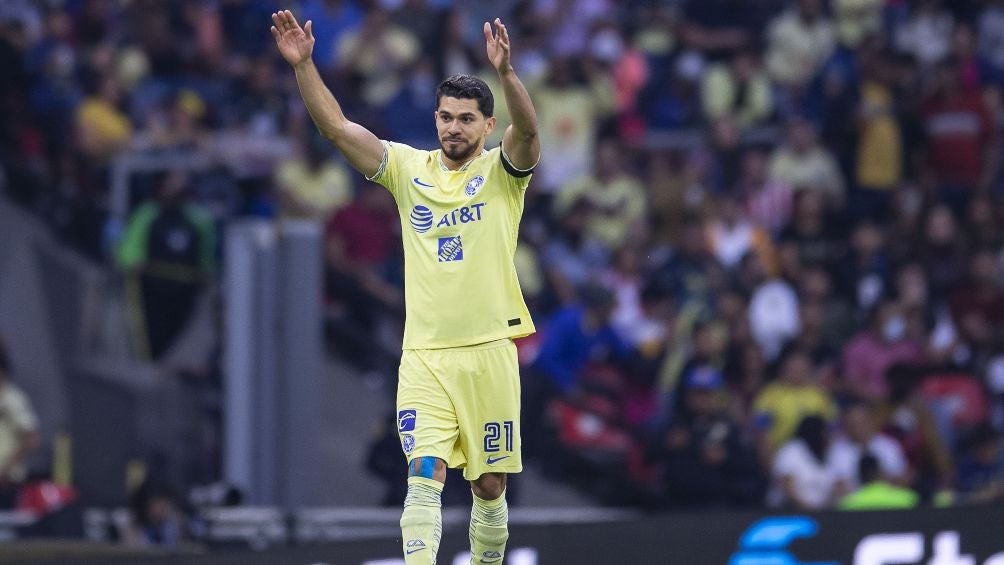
point(490, 125)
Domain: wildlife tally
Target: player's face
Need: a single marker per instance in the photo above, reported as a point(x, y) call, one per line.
point(462, 127)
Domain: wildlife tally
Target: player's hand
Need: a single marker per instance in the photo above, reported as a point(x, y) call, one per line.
point(295, 43)
point(498, 46)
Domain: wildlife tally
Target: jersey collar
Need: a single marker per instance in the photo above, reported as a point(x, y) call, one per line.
point(444, 168)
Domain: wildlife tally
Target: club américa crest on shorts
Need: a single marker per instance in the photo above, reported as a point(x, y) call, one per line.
point(474, 185)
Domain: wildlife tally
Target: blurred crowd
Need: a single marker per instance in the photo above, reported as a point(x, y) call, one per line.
point(763, 248)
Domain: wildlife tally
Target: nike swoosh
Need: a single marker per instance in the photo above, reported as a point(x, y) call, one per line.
point(491, 461)
point(420, 183)
point(410, 551)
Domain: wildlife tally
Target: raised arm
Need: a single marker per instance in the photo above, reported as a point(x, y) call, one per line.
point(520, 142)
point(360, 147)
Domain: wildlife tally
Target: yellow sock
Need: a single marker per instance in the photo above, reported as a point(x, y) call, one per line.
point(489, 530)
point(422, 521)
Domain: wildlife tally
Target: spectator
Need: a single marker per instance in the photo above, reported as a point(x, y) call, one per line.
point(570, 102)
point(575, 336)
point(813, 239)
point(724, 155)
point(313, 185)
point(856, 20)
point(798, 41)
point(637, 316)
point(407, 114)
point(876, 493)
point(961, 154)
point(707, 462)
point(157, 517)
point(803, 478)
point(333, 19)
point(873, 350)
point(740, 90)
point(361, 253)
point(731, 236)
point(803, 163)
point(767, 201)
point(982, 225)
point(906, 417)
point(815, 286)
point(773, 316)
point(991, 34)
point(377, 53)
point(782, 404)
point(941, 250)
point(814, 338)
point(692, 274)
point(977, 306)
point(980, 476)
point(616, 200)
point(880, 149)
point(175, 125)
point(927, 35)
point(18, 435)
point(572, 255)
point(168, 252)
point(671, 100)
point(631, 72)
point(975, 70)
point(570, 24)
point(861, 438)
point(868, 266)
point(578, 335)
point(102, 127)
point(906, 227)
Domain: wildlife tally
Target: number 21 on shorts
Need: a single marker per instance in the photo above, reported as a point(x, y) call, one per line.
point(494, 433)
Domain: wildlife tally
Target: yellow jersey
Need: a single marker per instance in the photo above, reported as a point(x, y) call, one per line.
point(459, 230)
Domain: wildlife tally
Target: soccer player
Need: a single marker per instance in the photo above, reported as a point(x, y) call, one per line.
point(460, 207)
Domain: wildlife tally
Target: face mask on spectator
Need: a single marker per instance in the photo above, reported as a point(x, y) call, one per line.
point(894, 328)
point(607, 46)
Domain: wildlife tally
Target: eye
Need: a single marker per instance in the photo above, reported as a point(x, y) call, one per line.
point(468, 119)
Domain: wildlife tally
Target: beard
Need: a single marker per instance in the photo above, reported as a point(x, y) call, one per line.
point(460, 152)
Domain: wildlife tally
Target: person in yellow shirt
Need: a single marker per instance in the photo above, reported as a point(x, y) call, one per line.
point(616, 199)
point(312, 186)
point(102, 128)
point(804, 163)
point(785, 402)
point(460, 208)
point(740, 89)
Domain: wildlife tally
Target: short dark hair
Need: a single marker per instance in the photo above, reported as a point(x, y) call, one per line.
point(466, 86)
point(868, 469)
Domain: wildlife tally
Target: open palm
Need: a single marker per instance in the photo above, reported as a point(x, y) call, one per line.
point(295, 43)
point(497, 45)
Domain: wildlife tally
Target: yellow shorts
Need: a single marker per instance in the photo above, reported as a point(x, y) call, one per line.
point(462, 406)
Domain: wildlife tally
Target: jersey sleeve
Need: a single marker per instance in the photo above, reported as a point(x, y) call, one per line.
point(392, 171)
point(517, 178)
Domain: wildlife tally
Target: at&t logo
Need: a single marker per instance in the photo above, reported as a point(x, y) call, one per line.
point(421, 216)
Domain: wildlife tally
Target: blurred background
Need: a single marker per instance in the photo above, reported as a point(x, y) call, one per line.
point(763, 250)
